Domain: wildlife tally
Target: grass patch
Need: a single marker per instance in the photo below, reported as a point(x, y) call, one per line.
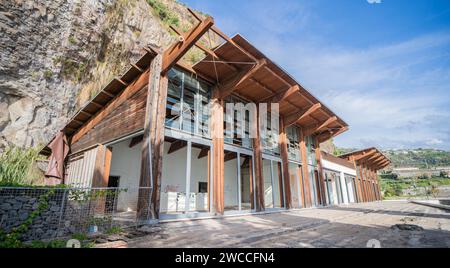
point(164, 13)
point(18, 167)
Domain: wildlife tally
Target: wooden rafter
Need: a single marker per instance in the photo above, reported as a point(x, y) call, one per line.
point(279, 97)
point(125, 84)
point(97, 104)
point(326, 123)
point(317, 127)
point(136, 140)
point(294, 117)
point(107, 93)
point(237, 80)
point(86, 113)
point(176, 145)
point(364, 155)
point(203, 153)
point(176, 52)
point(137, 67)
point(325, 136)
point(206, 50)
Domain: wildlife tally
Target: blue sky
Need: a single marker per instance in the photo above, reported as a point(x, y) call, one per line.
point(383, 67)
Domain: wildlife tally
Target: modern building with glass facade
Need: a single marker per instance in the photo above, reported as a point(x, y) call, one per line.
point(233, 133)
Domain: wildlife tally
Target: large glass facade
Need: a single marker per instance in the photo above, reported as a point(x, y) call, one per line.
point(187, 107)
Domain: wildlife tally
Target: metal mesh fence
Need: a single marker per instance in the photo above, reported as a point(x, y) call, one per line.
point(59, 212)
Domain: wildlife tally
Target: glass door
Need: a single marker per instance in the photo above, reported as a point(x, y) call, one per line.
point(186, 177)
point(273, 183)
point(294, 181)
point(238, 179)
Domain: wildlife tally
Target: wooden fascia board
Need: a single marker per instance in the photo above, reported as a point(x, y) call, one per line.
point(233, 83)
point(294, 117)
point(176, 51)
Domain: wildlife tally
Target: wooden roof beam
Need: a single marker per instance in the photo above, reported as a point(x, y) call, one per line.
point(364, 155)
point(279, 97)
point(203, 153)
point(233, 83)
point(325, 124)
point(121, 81)
point(86, 113)
point(294, 117)
point(318, 127)
point(176, 145)
point(139, 69)
point(376, 156)
point(175, 52)
point(326, 136)
point(206, 50)
point(224, 36)
point(107, 93)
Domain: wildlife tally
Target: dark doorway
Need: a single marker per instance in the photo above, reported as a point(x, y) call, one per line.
point(112, 193)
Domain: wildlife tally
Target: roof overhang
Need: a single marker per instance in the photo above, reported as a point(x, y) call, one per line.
point(370, 157)
point(263, 81)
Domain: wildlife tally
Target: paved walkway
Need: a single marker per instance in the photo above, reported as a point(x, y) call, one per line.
point(344, 226)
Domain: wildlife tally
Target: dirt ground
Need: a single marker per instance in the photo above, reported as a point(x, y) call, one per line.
point(392, 223)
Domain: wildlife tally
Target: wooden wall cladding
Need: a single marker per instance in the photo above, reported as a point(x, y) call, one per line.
point(125, 119)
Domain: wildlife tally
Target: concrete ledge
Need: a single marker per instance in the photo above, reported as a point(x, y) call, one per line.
point(430, 203)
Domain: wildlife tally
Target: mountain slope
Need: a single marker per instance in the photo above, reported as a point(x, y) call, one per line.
point(55, 55)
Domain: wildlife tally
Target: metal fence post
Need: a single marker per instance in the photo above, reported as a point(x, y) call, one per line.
point(116, 193)
point(61, 211)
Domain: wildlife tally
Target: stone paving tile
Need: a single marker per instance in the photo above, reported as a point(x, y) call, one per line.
point(343, 226)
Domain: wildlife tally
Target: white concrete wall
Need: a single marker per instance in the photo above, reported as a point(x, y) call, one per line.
point(126, 163)
point(342, 170)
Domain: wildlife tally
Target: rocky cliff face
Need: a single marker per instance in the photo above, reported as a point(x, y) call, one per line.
point(55, 55)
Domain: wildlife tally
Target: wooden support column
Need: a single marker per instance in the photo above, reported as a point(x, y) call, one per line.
point(358, 180)
point(285, 161)
point(153, 142)
point(305, 171)
point(321, 193)
point(101, 175)
point(257, 155)
point(102, 167)
point(217, 119)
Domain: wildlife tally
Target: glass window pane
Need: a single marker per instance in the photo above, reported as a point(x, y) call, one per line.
point(173, 181)
point(173, 113)
point(246, 182)
point(199, 179)
point(277, 185)
point(267, 174)
point(231, 181)
point(294, 180)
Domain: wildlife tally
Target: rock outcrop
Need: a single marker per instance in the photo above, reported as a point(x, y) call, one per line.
point(55, 55)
